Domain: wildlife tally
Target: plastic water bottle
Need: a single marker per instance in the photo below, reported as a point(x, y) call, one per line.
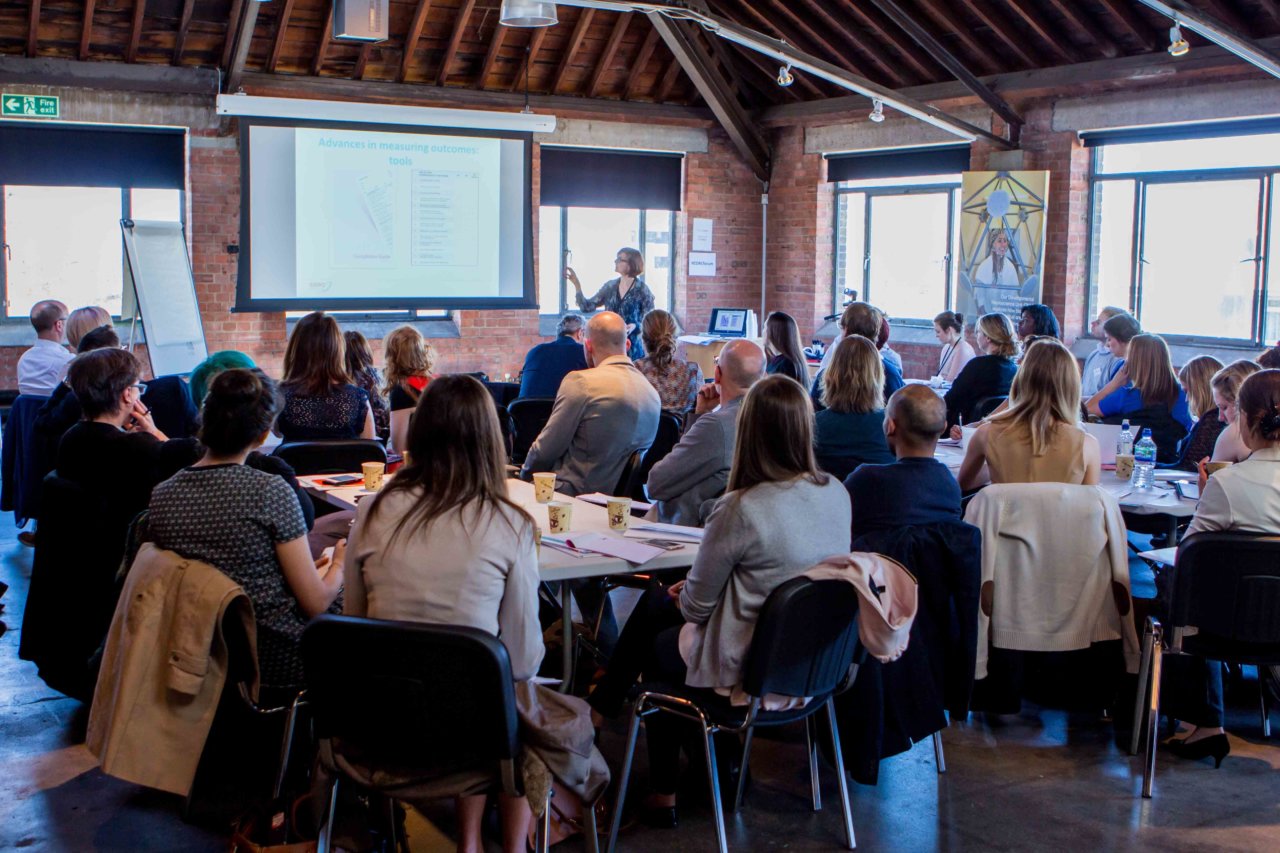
point(1144, 462)
point(1124, 444)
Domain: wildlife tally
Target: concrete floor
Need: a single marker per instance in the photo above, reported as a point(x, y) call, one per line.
point(1040, 780)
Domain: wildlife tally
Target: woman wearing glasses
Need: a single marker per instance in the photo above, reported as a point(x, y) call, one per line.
point(626, 295)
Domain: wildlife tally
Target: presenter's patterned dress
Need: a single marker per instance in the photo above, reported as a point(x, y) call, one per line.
point(631, 306)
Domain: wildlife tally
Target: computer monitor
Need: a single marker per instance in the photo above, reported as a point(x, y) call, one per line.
point(728, 322)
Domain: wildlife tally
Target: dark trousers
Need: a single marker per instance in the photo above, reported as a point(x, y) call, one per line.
point(1192, 690)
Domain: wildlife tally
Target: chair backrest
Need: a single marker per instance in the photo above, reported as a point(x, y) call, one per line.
point(1166, 432)
point(804, 640)
point(410, 693)
point(669, 426)
point(986, 406)
point(528, 416)
point(837, 466)
point(628, 471)
point(330, 457)
point(1228, 585)
point(508, 431)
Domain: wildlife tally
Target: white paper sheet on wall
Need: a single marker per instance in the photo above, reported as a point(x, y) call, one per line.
point(702, 230)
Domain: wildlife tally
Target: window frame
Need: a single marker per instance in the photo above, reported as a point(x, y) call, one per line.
point(126, 212)
point(1266, 178)
point(844, 188)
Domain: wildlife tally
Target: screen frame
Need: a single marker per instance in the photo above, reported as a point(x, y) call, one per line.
point(715, 315)
point(246, 303)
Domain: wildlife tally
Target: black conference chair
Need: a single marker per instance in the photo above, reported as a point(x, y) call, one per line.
point(984, 407)
point(804, 645)
point(390, 698)
point(528, 416)
point(507, 428)
point(669, 427)
point(1226, 586)
point(330, 457)
point(838, 466)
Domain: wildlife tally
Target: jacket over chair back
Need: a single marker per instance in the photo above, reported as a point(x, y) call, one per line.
point(330, 457)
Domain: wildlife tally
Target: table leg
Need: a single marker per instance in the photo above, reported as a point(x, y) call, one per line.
point(1173, 531)
point(566, 637)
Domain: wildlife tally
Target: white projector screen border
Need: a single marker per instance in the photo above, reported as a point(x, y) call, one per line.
point(247, 302)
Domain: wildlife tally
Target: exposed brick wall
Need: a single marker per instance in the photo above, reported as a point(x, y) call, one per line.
point(800, 232)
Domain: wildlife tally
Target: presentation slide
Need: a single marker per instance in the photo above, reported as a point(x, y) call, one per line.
point(341, 218)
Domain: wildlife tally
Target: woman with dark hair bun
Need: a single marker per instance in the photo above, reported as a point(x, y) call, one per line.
point(677, 382)
point(248, 523)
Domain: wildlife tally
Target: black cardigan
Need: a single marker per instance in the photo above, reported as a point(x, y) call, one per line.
point(984, 376)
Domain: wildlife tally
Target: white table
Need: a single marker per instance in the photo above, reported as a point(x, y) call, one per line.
point(553, 565)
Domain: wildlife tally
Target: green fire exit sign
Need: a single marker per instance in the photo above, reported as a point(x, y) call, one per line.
point(39, 106)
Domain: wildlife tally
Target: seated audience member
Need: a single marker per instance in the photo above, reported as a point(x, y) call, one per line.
point(779, 517)
point(1040, 321)
point(986, 375)
point(1146, 392)
point(1270, 360)
point(1196, 377)
point(42, 367)
point(1038, 438)
point(859, 318)
point(548, 363)
point(850, 429)
point(62, 410)
point(213, 365)
point(1243, 498)
point(915, 490)
point(696, 470)
point(365, 377)
point(887, 352)
point(783, 348)
point(677, 382)
point(1230, 445)
point(84, 320)
point(248, 523)
point(1116, 335)
point(319, 400)
point(948, 328)
point(1101, 364)
point(407, 360)
point(443, 544)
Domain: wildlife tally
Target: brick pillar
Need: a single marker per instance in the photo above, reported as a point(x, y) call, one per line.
point(800, 238)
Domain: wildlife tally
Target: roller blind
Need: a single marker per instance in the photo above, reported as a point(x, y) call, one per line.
point(903, 163)
point(584, 177)
point(1166, 132)
point(78, 156)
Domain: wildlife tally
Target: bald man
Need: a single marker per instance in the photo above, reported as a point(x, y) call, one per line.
point(43, 366)
point(696, 470)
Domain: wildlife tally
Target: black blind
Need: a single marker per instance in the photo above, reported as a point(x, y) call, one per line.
point(903, 163)
point(1166, 132)
point(583, 177)
point(78, 156)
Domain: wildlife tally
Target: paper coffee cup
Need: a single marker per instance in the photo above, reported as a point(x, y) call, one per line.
point(560, 516)
point(544, 487)
point(373, 472)
point(619, 513)
point(966, 433)
point(1212, 468)
point(1124, 465)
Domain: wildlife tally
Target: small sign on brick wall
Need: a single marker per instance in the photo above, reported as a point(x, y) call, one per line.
point(29, 106)
point(702, 263)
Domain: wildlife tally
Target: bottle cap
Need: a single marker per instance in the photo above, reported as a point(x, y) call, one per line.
point(1146, 432)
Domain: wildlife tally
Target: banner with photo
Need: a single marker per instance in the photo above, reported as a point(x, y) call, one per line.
point(1002, 233)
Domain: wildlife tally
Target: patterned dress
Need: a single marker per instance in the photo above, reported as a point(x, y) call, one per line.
point(370, 381)
point(632, 307)
point(677, 385)
point(232, 517)
point(337, 415)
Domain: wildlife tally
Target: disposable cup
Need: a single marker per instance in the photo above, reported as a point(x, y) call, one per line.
point(544, 487)
point(560, 516)
point(619, 513)
point(1124, 465)
point(373, 472)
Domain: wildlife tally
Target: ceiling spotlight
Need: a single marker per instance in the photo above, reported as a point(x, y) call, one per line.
point(1177, 44)
point(527, 13)
point(877, 110)
point(785, 77)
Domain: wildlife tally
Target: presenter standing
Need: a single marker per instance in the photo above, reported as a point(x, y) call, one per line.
point(627, 295)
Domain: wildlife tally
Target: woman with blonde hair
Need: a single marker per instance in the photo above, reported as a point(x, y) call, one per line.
point(850, 430)
point(1196, 377)
point(1146, 392)
point(1225, 385)
point(986, 375)
point(84, 320)
point(320, 403)
point(407, 360)
point(1038, 438)
point(677, 382)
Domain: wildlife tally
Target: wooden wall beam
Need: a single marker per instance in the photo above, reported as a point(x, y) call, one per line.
point(33, 28)
point(326, 35)
point(411, 40)
point(86, 30)
point(610, 51)
point(491, 55)
point(244, 38)
point(639, 64)
point(184, 27)
point(575, 42)
point(282, 27)
point(455, 39)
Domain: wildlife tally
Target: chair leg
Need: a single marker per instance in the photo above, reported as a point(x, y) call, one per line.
point(713, 776)
point(1144, 673)
point(742, 773)
point(939, 758)
point(326, 834)
point(286, 747)
point(840, 777)
point(1262, 702)
point(542, 833)
point(632, 733)
point(592, 834)
point(1153, 719)
point(812, 746)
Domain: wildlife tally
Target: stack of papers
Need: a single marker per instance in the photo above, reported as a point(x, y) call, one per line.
point(613, 546)
point(658, 530)
point(600, 499)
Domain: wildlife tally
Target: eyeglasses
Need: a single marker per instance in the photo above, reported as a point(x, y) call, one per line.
point(142, 388)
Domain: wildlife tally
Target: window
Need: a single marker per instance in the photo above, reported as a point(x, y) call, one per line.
point(894, 243)
point(1177, 230)
point(588, 238)
point(64, 243)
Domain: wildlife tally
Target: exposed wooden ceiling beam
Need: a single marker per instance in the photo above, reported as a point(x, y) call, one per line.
point(33, 28)
point(1124, 12)
point(362, 60)
point(277, 44)
point(640, 63)
point(1227, 37)
point(455, 39)
point(697, 65)
point(910, 56)
point(184, 26)
point(1079, 17)
point(244, 38)
point(229, 42)
point(18, 70)
point(767, 71)
point(995, 22)
point(610, 51)
point(942, 16)
point(1056, 42)
point(410, 41)
point(575, 42)
point(326, 33)
point(1272, 9)
point(86, 30)
point(1227, 15)
point(669, 78)
point(934, 48)
point(135, 32)
point(519, 81)
point(770, 26)
point(888, 70)
point(491, 55)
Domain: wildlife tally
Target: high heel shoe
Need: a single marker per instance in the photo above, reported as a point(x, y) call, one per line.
point(1216, 747)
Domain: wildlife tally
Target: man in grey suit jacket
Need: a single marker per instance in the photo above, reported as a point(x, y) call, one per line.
point(697, 468)
point(601, 415)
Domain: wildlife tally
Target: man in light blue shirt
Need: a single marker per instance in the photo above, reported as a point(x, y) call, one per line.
point(43, 366)
point(1100, 365)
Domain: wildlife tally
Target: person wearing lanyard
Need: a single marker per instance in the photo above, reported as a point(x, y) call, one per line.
point(627, 295)
point(948, 327)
